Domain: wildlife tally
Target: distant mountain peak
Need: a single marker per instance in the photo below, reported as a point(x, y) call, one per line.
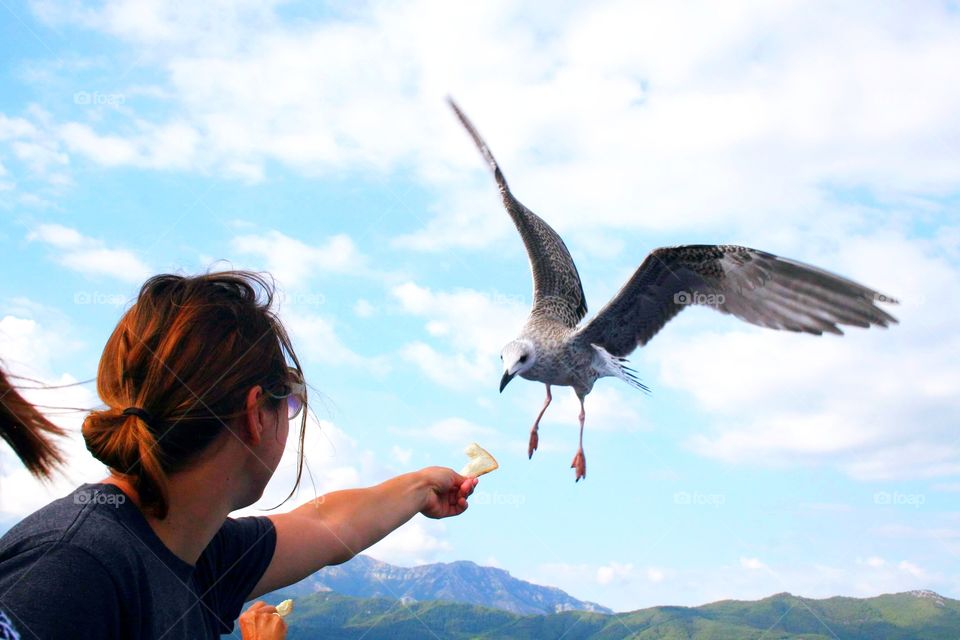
point(928, 595)
point(460, 581)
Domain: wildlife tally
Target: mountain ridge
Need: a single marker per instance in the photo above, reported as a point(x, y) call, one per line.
point(899, 616)
point(461, 581)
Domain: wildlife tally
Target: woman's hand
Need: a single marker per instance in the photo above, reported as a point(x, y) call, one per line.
point(260, 622)
point(447, 492)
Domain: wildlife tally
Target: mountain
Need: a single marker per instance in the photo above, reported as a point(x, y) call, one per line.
point(917, 615)
point(463, 582)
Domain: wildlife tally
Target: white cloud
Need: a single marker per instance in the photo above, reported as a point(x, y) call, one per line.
point(316, 338)
point(939, 537)
point(118, 263)
point(419, 541)
point(5, 185)
point(88, 255)
point(400, 455)
point(753, 564)
point(654, 111)
point(294, 263)
point(912, 569)
point(452, 370)
point(39, 157)
point(364, 309)
point(613, 572)
point(468, 216)
point(13, 128)
point(108, 150)
point(38, 154)
point(59, 236)
point(29, 348)
point(154, 23)
point(471, 325)
point(451, 430)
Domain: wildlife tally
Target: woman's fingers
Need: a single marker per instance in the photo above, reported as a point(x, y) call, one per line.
point(261, 622)
point(469, 484)
point(450, 492)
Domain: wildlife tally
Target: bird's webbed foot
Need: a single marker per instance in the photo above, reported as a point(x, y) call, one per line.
point(534, 441)
point(580, 464)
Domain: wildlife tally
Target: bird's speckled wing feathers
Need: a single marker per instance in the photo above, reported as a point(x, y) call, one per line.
point(557, 291)
point(753, 285)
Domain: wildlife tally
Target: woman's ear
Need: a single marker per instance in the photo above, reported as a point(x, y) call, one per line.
point(252, 426)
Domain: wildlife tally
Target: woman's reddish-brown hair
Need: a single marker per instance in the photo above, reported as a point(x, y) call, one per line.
point(186, 353)
point(27, 431)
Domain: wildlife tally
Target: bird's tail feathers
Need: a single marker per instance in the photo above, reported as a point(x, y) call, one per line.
point(630, 377)
point(608, 364)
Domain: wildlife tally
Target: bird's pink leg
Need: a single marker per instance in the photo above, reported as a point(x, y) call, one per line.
point(580, 461)
point(534, 438)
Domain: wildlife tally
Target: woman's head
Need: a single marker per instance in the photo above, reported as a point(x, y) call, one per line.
point(178, 372)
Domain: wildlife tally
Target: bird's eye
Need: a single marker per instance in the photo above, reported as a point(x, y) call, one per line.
point(523, 358)
point(501, 356)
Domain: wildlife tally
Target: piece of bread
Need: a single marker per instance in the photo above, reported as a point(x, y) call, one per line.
point(284, 608)
point(480, 462)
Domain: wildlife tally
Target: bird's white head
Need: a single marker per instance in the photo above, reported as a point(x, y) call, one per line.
point(518, 356)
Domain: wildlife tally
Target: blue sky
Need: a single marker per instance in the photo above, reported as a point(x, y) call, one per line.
point(142, 137)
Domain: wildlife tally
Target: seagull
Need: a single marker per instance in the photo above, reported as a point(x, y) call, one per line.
point(753, 285)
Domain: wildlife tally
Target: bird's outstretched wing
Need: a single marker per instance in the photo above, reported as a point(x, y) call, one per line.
point(557, 291)
point(753, 285)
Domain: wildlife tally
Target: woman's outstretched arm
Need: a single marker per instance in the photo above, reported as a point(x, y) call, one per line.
point(337, 526)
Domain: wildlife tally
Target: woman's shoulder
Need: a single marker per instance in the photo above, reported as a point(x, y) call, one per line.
point(239, 552)
point(249, 536)
point(88, 518)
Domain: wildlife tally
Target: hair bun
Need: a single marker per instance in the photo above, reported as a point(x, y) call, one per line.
point(123, 441)
point(111, 437)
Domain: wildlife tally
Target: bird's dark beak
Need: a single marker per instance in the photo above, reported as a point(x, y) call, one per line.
point(507, 377)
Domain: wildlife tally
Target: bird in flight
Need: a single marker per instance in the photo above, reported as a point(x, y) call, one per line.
point(753, 285)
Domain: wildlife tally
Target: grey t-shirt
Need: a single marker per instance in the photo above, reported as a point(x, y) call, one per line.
point(88, 566)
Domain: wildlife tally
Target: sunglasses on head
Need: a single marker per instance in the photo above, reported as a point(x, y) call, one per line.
point(295, 395)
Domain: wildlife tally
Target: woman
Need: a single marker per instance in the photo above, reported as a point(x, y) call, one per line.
point(199, 395)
